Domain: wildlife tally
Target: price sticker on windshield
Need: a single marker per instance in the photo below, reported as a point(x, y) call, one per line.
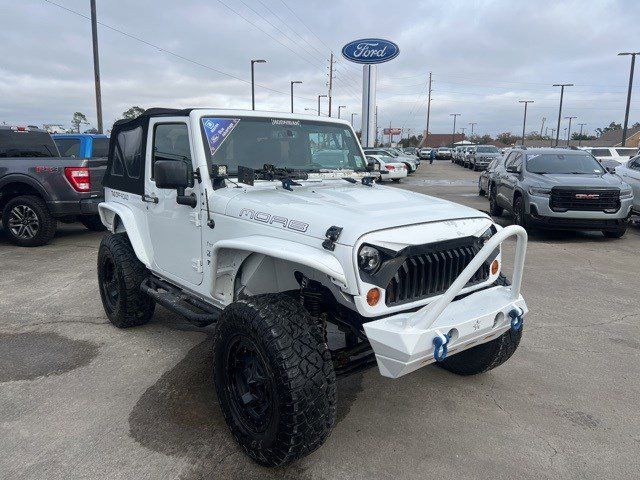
point(217, 130)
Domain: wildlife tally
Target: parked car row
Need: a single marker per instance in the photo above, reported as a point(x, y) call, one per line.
point(391, 157)
point(562, 189)
point(475, 157)
point(39, 186)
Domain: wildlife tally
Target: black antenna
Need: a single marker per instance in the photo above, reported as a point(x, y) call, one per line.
point(210, 222)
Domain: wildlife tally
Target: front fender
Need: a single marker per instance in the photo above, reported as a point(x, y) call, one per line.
point(118, 217)
point(314, 258)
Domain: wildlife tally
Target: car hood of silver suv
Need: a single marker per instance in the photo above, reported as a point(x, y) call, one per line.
point(575, 180)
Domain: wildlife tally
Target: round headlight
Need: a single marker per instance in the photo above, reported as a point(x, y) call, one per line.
point(369, 259)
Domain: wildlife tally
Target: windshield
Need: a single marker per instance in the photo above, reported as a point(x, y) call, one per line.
point(488, 150)
point(558, 163)
point(296, 144)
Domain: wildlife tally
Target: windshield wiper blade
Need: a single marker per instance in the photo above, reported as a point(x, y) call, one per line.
point(269, 172)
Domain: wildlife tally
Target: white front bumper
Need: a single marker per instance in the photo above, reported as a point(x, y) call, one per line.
point(404, 342)
point(475, 319)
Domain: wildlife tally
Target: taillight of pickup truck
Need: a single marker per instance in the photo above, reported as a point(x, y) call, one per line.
point(79, 178)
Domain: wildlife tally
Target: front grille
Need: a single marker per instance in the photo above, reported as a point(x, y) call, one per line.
point(564, 199)
point(428, 274)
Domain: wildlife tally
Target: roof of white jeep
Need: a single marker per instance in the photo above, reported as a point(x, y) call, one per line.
point(174, 112)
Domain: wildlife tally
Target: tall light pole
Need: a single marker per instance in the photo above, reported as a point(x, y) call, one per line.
point(580, 137)
point(96, 64)
point(453, 133)
point(544, 119)
point(319, 97)
point(426, 133)
point(473, 124)
point(463, 130)
point(340, 107)
point(553, 131)
point(524, 121)
point(253, 84)
point(626, 113)
point(561, 85)
point(293, 82)
point(569, 128)
point(352, 118)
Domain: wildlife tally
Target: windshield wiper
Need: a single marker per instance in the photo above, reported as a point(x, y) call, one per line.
point(269, 172)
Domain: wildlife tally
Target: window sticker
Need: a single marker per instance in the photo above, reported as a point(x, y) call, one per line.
point(217, 129)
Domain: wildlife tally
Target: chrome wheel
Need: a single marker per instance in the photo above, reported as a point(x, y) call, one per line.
point(23, 222)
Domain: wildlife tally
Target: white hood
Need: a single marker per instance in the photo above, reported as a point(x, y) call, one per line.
point(356, 208)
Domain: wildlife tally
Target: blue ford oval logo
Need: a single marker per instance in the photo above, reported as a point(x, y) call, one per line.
point(370, 50)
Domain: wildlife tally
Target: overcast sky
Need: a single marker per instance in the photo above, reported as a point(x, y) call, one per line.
point(484, 55)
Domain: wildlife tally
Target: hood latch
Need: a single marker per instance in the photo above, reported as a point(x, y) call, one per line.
point(332, 234)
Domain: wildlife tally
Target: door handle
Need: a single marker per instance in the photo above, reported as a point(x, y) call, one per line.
point(149, 198)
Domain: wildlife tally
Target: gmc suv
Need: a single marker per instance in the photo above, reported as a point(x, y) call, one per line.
point(560, 189)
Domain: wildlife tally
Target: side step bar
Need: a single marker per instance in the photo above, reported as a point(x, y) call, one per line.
point(174, 299)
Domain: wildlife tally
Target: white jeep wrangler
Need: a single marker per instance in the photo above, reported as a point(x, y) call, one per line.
point(273, 227)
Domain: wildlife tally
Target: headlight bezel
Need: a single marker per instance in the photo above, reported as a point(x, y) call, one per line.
point(488, 233)
point(365, 254)
point(626, 192)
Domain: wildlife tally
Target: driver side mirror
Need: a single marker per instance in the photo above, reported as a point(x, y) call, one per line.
point(513, 169)
point(178, 175)
point(373, 166)
point(172, 174)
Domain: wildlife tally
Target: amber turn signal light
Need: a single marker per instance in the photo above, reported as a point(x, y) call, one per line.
point(373, 296)
point(495, 266)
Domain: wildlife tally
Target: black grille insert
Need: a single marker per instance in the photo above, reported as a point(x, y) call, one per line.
point(432, 273)
point(585, 200)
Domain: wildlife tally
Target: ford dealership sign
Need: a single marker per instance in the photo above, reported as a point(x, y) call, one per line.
point(370, 50)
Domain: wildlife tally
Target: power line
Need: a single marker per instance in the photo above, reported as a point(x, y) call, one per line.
point(169, 52)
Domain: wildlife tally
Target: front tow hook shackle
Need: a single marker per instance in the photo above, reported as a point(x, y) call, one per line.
point(516, 318)
point(441, 347)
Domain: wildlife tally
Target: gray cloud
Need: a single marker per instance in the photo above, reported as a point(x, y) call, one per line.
point(484, 55)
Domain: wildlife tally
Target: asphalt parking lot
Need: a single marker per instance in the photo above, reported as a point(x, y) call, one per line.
point(81, 399)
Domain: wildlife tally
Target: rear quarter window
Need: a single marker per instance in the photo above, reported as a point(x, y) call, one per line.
point(100, 147)
point(26, 144)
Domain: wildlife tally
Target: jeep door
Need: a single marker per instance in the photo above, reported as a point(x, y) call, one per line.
point(174, 229)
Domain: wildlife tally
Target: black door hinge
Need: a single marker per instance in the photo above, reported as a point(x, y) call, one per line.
point(332, 234)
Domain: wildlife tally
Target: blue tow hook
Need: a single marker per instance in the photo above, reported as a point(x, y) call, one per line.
point(440, 347)
point(516, 318)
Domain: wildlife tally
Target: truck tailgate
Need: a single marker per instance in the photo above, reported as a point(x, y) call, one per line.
point(97, 168)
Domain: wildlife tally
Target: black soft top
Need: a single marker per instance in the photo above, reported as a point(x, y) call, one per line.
point(127, 147)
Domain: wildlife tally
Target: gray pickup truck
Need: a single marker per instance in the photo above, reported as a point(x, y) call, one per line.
point(38, 187)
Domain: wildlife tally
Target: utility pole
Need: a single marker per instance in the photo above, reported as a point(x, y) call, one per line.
point(524, 121)
point(96, 64)
point(569, 129)
point(426, 134)
point(553, 131)
point(292, 83)
point(473, 124)
point(544, 119)
point(390, 135)
point(453, 133)
point(626, 113)
point(463, 129)
point(253, 83)
point(546, 132)
point(352, 119)
point(319, 97)
point(580, 137)
point(561, 85)
point(375, 117)
point(340, 107)
point(330, 81)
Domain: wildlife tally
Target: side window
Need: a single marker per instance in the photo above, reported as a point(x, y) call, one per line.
point(635, 165)
point(128, 153)
point(100, 147)
point(517, 162)
point(601, 152)
point(171, 142)
point(69, 147)
point(510, 158)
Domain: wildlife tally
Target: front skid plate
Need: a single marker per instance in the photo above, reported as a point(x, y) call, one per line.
point(475, 319)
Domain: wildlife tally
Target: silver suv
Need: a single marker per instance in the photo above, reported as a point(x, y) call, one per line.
point(560, 189)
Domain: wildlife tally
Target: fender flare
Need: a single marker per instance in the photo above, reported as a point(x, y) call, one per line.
point(27, 180)
point(117, 215)
point(314, 258)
